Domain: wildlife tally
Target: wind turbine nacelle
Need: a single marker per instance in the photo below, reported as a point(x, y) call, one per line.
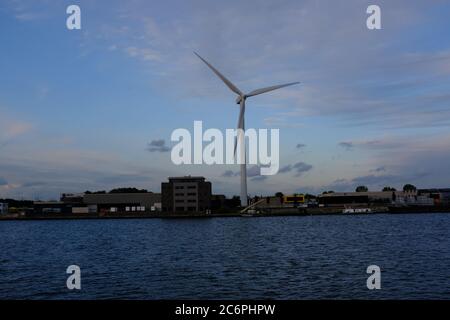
point(238, 99)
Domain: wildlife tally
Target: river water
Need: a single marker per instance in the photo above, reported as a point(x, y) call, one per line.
point(322, 257)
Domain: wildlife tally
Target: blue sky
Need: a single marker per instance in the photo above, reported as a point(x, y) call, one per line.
point(79, 108)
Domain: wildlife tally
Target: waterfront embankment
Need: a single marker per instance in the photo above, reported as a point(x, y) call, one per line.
point(273, 212)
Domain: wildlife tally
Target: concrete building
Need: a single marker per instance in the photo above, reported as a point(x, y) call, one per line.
point(123, 202)
point(440, 197)
point(382, 198)
point(50, 207)
point(186, 194)
point(3, 208)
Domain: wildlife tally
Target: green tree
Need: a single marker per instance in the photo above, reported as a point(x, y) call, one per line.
point(361, 189)
point(279, 194)
point(409, 187)
point(387, 188)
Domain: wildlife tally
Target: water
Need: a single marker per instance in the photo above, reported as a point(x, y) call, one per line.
point(228, 258)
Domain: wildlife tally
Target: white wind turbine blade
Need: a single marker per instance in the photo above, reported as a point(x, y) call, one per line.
point(225, 80)
point(267, 89)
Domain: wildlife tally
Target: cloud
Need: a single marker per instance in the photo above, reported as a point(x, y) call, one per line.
point(375, 82)
point(26, 11)
point(145, 54)
point(379, 169)
point(259, 178)
point(229, 173)
point(346, 145)
point(299, 168)
point(286, 168)
point(253, 173)
point(158, 146)
point(350, 77)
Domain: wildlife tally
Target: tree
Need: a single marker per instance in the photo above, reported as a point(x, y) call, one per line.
point(389, 189)
point(361, 189)
point(279, 194)
point(95, 192)
point(409, 187)
point(310, 196)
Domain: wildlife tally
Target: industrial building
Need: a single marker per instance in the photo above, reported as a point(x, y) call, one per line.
point(123, 202)
point(92, 203)
point(441, 197)
point(3, 208)
point(50, 207)
point(187, 193)
point(382, 198)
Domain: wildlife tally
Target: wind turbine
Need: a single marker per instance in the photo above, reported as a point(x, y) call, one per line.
point(241, 123)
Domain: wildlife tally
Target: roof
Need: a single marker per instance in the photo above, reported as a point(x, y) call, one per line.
point(116, 198)
point(187, 178)
point(369, 193)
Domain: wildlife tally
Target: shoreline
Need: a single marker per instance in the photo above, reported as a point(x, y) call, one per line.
point(301, 212)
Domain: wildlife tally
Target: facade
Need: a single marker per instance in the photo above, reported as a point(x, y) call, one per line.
point(49, 207)
point(440, 197)
point(382, 198)
point(188, 193)
point(3, 208)
point(122, 202)
point(340, 199)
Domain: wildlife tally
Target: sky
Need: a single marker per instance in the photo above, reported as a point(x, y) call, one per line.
point(94, 109)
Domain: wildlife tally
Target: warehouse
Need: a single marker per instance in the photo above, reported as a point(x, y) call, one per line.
point(123, 202)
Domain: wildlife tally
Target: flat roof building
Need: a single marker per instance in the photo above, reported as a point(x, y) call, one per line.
point(375, 198)
point(122, 202)
point(186, 194)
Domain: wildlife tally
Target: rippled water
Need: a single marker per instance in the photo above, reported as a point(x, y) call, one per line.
point(228, 258)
